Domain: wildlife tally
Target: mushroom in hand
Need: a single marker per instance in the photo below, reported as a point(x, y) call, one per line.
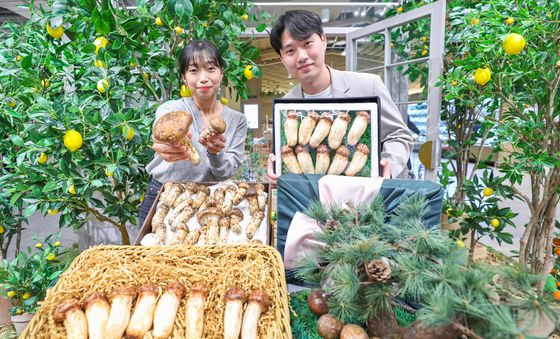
point(361, 121)
point(97, 310)
point(166, 310)
point(340, 161)
point(195, 310)
point(173, 127)
point(70, 313)
point(258, 304)
point(358, 160)
point(143, 315)
point(121, 304)
point(338, 130)
point(233, 314)
point(291, 128)
point(307, 126)
point(217, 125)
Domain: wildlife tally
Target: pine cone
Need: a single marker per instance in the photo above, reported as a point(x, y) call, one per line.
point(332, 224)
point(378, 270)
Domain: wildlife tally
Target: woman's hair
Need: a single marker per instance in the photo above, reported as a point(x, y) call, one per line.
point(200, 52)
point(300, 24)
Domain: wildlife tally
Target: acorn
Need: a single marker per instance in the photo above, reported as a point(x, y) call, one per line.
point(329, 326)
point(318, 302)
point(351, 331)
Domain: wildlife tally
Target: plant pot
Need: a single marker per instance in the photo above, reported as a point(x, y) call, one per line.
point(21, 321)
point(5, 305)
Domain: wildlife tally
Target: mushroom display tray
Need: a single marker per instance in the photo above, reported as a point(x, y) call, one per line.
point(103, 268)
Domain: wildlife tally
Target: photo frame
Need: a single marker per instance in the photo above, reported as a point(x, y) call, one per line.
point(302, 136)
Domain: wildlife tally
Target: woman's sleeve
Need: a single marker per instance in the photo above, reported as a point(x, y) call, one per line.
point(224, 164)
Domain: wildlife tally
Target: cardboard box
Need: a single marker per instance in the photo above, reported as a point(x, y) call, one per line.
point(147, 226)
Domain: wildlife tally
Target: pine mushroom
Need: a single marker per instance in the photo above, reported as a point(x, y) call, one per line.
point(143, 315)
point(195, 310)
point(166, 310)
point(304, 160)
point(172, 195)
point(261, 196)
point(340, 161)
point(97, 310)
point(216, 125)
point(338, 130)
point(173, 127)
point(235, 217)
point(358, 160)
point(291, 128)
point(233, 314)
point(290, 160)
point(323, 159)
point(254, 224)
point(306, 127)
point(159, 216)
point(224, 230)
point(228, 198)
point(200, 197)
point(253, 201)
point(179, 235)
point(361, 122)
point(242, 188)
point(121, 304)
point(192, 237)
point(321, 131)
point(70, 313)
point(258, 304)
point(190, 189)
point(208, 219)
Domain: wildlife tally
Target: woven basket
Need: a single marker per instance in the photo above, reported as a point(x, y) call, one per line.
point(104, 268)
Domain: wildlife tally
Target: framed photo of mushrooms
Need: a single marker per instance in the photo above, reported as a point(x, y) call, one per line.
point(327, 136)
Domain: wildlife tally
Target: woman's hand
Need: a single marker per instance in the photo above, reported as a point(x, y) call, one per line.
point(214, 143)
point(272, 177)
point(171, 152)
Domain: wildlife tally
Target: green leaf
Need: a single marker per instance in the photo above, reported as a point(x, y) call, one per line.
point(261, 27)
point(101, 27)
point(17, 140)
point(29, 210)
point(50, 186)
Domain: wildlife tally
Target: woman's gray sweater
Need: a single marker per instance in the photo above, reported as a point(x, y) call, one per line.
point(212, 167)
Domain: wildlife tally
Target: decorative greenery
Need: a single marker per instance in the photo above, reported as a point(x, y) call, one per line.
point(429, 270)
point(26, 279)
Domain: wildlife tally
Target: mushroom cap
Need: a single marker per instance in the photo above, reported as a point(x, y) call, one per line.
point(292, 115)
point(218, 124)
point(64, 307)
point(93, 298)
point(177, 288)
point(301, 149)
point(327, 118)
point(259, 187)
point(208, 212)
point(343, 151)
point(260, 297)
point(231, 189)
point(235, 293)
point(323, 149)
point(199, 288)
point(235, 212)
point(192, 187)
point(148, 289)
point(344, 116)
point(204, 189)
point(362, 148)
point(123, 291)
point(287, 150)
point(224, 222)
point(243, 185)
point(313, 115)
point(363, 114)
point(172, 126)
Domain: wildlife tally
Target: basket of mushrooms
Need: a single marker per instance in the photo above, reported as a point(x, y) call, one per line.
point(208, 214)
point(168, 292)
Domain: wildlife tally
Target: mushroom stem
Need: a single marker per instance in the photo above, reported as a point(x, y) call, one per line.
point(358, 160)
point(195, 310)
point(193, 153)
point(70, 313)
point(143, 316)
point(121, 303)
point(166, 310)
point(254, 224)
point(291, 128)
point(358, 128)
point(233, 314)
point(306, 127)
point(338, 130)
point(97, 311)
point(258, 304)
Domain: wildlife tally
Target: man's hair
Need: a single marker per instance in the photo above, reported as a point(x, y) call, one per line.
point(298, 23)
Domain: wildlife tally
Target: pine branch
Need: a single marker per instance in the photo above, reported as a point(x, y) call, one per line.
point(317, 211)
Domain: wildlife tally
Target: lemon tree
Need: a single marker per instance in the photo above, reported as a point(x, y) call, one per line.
point(83, 99)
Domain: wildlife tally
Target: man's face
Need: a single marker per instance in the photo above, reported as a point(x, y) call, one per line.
point(303, 59)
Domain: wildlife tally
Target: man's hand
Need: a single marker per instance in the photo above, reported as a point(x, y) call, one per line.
point(214, 143)
point(385, 168)
point(171, 152)
point(272, 177)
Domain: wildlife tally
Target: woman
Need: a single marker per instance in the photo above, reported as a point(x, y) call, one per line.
point(202, 70)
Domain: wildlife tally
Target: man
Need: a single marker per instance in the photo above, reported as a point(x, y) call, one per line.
point(297, 36)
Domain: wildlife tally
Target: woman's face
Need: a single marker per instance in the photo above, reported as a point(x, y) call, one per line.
point(204, 79)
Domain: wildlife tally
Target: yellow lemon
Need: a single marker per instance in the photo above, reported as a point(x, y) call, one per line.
point(475, 21)
point(178, 30)
point(56, 33)
point(39, 245)
point(159, 22)
point(127, 132)
point(57, 244)
point(449, 211)
point(514, 44)
point(424, 52)
point(487, 191)
point(495, 223)
point(400, 10)
point(102, 85)
point(42, 158)
point(423, 39)
point(510, 21)
point(11, 294)
point(99, 63)
point(245, 17)
point(248, 72)
point(141, 197)
point(51, 256)
point(72, 189)
point(19, 311)
point(482, 76)
point(185, 91)
point(108, 173)
point(2, 229)
point(392, 45)
point(26, 296)
point(146, 75)
point(453, 83)
point(224, 101)
point(72, 140)
point(52, 212)
point(45, 83)
point(101, 42)
point(19, 57)
point(11, 102)
point(460, 243)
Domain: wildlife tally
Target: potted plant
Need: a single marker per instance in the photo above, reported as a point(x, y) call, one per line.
point(26, 279)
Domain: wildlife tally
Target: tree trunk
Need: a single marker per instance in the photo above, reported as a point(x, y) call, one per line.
point(124, 234)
